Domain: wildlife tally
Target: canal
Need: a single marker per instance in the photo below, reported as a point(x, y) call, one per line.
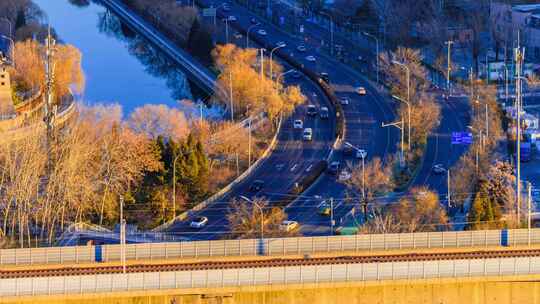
point(119, 65)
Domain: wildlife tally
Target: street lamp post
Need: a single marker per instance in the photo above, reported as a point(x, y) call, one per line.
point(408, 119)
point(226, 20)
point(247, 33)
point(260, 210)
point(448, 66)
point(399, 125)
point(376, 50)
point(174, 185)
point(331, 32)
point(271, 53)
point(283, 74)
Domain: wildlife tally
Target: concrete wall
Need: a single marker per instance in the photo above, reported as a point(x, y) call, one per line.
point(517, 289)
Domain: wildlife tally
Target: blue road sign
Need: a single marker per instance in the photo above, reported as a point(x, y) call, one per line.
point(462, 138)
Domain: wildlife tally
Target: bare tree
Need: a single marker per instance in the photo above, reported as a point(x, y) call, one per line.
point(154, 120)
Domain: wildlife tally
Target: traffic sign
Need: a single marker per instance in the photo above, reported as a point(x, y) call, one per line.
point(209, 12)
point(462, 138)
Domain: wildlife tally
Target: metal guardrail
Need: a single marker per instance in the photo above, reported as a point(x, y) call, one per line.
point(333, 273)
point(225, 189)
point(278, 246)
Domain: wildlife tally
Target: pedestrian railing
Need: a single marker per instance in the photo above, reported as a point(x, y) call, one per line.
point(277, 246)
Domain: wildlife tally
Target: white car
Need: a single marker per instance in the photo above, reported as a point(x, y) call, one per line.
point(361, 90)
point(232, 18)
point(310, 58)
point(238, 36)
point(199, 222)
point(298, 124)
point(439, 169)
point(288, 226)
point(301, 48)
point(344, 101)
point(281, 44)
point(262, 32)
point(308, 134)
point(344, 175)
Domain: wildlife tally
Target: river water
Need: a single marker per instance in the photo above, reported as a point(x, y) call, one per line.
point(120, 66)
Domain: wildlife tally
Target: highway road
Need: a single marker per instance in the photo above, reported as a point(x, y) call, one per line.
point(363, 118)
point(290, 160)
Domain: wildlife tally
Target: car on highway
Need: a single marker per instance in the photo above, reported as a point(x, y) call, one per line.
point(257, 185)
point(281, 44)
point(344, 101)
point(301, 48)
point(308, 134)
point(324, 208)
point(296, 74)
point(334, 167)
point(262, 32)
point(226, 8)
point(325, 77)
point(298, 124)
point(238, 36)
point(288, 225)
point(253, 21)
point(199, 222)
point(347, 150)
point(232, 18)
point(324, 113)
point(361, 91)
point(311, 110)
point(344, 175)
point(439, 169)
point(310, 58)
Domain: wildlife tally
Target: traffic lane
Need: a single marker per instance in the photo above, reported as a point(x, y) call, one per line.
point(439, 147)
point(288, 146)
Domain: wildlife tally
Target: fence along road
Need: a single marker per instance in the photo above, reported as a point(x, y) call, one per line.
point(278, 246)
point(281, 275)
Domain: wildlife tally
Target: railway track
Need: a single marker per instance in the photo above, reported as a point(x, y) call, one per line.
point(277, 262)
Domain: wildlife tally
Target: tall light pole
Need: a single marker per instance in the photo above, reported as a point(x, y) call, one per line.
point(479, 136)
point(247, 33)
point(12, 48)
point(10, 25)
point(174, 184)
point(408, 118)
point(254, 203)
point(231, 94)
point(376, 50)
point(283, 74)
point(226, 20)
point(448, 64)
point(122, 235)
point(271, 53)
point(519, 60)
point(399, 125)
point(331, 32)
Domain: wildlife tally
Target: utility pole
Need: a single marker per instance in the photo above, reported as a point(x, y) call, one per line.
point(519, 55)
point(399, 125)
point(448, 188)
point(529, 198)
point(332, 216)
point(122, 235)
point(226, 29)
point(487, 121)
point(249, 138)
point(448, 64)
point(231, 95)
point(50, 108)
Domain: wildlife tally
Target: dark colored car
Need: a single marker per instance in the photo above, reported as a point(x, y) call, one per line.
point(333, 168)
point(325, 77)
point(312, 110)
point(257, 185)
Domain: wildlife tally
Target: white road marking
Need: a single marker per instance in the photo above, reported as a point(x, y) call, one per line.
point(294, 167)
